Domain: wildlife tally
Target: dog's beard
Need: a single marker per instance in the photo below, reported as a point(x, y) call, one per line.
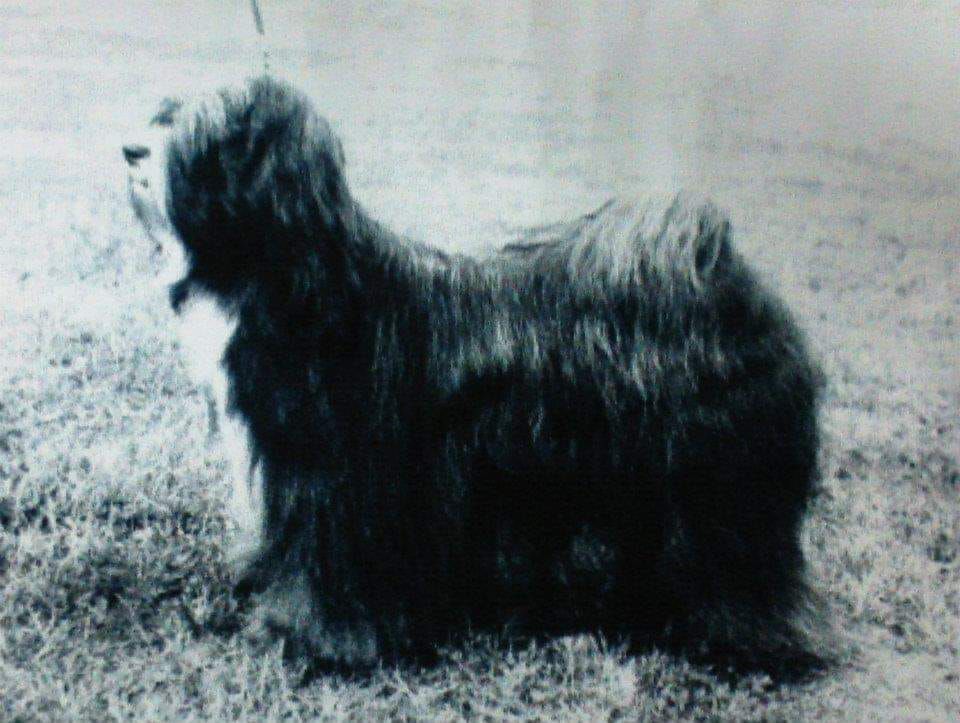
point(147, 191)
point(171, 261)
point(166, 252)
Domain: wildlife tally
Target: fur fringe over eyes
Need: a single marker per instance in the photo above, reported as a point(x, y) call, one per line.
point(609, 424)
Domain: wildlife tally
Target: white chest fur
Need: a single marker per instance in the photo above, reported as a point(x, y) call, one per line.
point(205, 329)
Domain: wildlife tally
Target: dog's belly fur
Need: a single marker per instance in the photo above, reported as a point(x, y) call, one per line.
point(205, 329)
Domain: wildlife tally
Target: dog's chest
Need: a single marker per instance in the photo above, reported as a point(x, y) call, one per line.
point(205, 329)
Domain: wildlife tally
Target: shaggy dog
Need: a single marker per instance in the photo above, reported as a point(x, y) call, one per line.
point(609, 424)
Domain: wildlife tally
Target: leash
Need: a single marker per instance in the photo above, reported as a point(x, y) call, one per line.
point(258, 22)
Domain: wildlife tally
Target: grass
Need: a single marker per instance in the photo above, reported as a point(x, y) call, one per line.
point(112, 526)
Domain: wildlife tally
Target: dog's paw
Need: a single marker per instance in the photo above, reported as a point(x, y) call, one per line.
point(289, 612)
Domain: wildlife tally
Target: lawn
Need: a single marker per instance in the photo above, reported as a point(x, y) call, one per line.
point(828, 132)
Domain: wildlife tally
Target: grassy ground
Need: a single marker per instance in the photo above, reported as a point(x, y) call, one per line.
point(826, 131)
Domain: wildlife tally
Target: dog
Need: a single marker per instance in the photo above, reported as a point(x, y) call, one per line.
point(608, 424)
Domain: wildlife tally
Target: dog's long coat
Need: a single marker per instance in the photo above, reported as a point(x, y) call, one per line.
point(608, 424)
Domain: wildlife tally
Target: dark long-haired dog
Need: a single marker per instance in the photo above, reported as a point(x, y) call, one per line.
point(609, 424)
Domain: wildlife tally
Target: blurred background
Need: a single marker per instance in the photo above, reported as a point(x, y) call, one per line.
point(825, 122)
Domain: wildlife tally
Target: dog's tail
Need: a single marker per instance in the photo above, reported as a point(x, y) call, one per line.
point(667, 242)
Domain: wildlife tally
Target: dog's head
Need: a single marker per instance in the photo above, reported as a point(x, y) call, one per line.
point(245, 179)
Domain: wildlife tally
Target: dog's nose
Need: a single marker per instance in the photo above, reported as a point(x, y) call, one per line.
point(134, 153)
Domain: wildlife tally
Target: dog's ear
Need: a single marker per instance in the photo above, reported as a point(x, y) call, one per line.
point(297, 161)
